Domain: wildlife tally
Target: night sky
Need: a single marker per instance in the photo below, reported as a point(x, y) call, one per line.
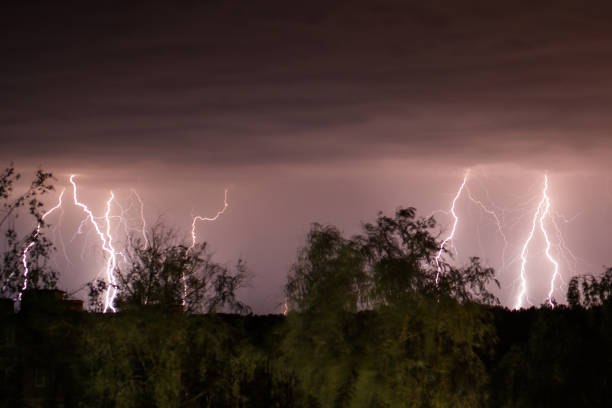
point(319, 111)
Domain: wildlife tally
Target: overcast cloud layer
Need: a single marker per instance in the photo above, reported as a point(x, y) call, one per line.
point(235, 83)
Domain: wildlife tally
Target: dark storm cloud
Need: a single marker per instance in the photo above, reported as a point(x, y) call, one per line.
point(225, 83)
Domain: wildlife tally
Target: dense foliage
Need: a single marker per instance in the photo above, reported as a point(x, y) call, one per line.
point(370, 326)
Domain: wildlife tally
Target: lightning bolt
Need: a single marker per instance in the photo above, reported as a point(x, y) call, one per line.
point(107, 246)
point(111, 292)
point(199, 218)
point(142, 219)
point(24, 256)
point(542, 211)
point(548, 244)
point(122, 218)
point(194, 235)
point(523, 277)
point(61, 239)
point(498, 222)
point(570, 259)
point(452, 233)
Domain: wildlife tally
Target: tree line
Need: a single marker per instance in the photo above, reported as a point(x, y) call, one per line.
point(373, 321)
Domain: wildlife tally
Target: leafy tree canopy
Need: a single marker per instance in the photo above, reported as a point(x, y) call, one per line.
point(370, 326)
point(169, 274)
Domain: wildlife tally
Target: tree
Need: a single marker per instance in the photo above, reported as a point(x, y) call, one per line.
point(589, 291)
point(154, 354)
point(39, 247)
point(136, 359)
point(169, 274)
point(329, 274)
point(370, 326)
point(327, 287)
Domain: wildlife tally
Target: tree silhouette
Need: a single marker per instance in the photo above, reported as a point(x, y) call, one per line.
point(589, 291)
point(13, 204)
point(168, 274)
point(368, 325)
